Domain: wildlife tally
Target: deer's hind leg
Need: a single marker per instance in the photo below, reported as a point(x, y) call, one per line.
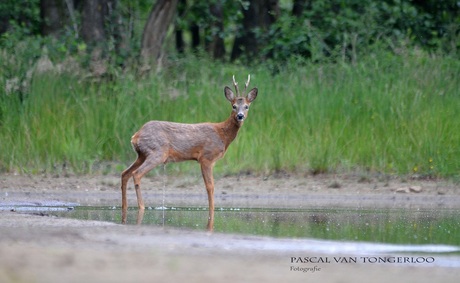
point(152, 160)
point(125, 176)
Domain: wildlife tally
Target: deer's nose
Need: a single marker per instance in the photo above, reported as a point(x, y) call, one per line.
point(240, 116)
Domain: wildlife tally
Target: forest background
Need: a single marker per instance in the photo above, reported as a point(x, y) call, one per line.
point(344, 86)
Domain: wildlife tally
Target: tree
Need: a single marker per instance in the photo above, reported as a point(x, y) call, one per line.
point(53, 16)
point(192, 17)
point(155, 29)
point(258, 16)
point(215, 45)
point(94, 13)
point(298, 6)
point(179, 32)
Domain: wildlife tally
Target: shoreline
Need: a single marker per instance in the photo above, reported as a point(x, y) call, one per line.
point(39, 249)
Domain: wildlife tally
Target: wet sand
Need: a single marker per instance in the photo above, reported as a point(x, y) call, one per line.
point(36, 248)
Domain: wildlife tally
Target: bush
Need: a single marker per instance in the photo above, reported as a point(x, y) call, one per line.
point(348, 29)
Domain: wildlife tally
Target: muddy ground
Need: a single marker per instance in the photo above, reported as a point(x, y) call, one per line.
point(36, 248)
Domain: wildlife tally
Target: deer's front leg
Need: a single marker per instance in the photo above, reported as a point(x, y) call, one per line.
point(206, 171)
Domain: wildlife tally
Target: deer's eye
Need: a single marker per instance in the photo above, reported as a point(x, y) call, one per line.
point(246, 107)
point(234, 107)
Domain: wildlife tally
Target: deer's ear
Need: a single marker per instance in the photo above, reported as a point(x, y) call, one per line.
point(252, 95)
point(229, 94)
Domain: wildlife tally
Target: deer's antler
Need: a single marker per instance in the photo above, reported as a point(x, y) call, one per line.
point(235, 84)
point(246, 84)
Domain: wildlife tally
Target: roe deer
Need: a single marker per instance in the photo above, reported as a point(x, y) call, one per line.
point(159, 142)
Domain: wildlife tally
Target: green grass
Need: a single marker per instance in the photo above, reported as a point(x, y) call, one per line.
point(395, 114)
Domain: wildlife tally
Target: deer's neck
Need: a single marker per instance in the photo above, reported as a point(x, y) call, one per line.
point(228, 130)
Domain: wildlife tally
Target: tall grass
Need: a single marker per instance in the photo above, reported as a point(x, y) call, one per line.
point(396, 114)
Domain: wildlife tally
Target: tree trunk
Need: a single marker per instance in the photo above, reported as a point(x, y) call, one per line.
point(54, 15)
point(259, 15)
point(120, 30)
point(216, 46)
point(195, 31)
point(299, 6)
point(4, 22)
point(155, 30)
point(93, 16)
point(180, 43)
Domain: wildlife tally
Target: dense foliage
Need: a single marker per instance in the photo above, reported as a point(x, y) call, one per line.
point(320, 29)
point(353, 27)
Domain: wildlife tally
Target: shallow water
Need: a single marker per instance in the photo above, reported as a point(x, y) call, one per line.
point(396, 226)
point(431, 232)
